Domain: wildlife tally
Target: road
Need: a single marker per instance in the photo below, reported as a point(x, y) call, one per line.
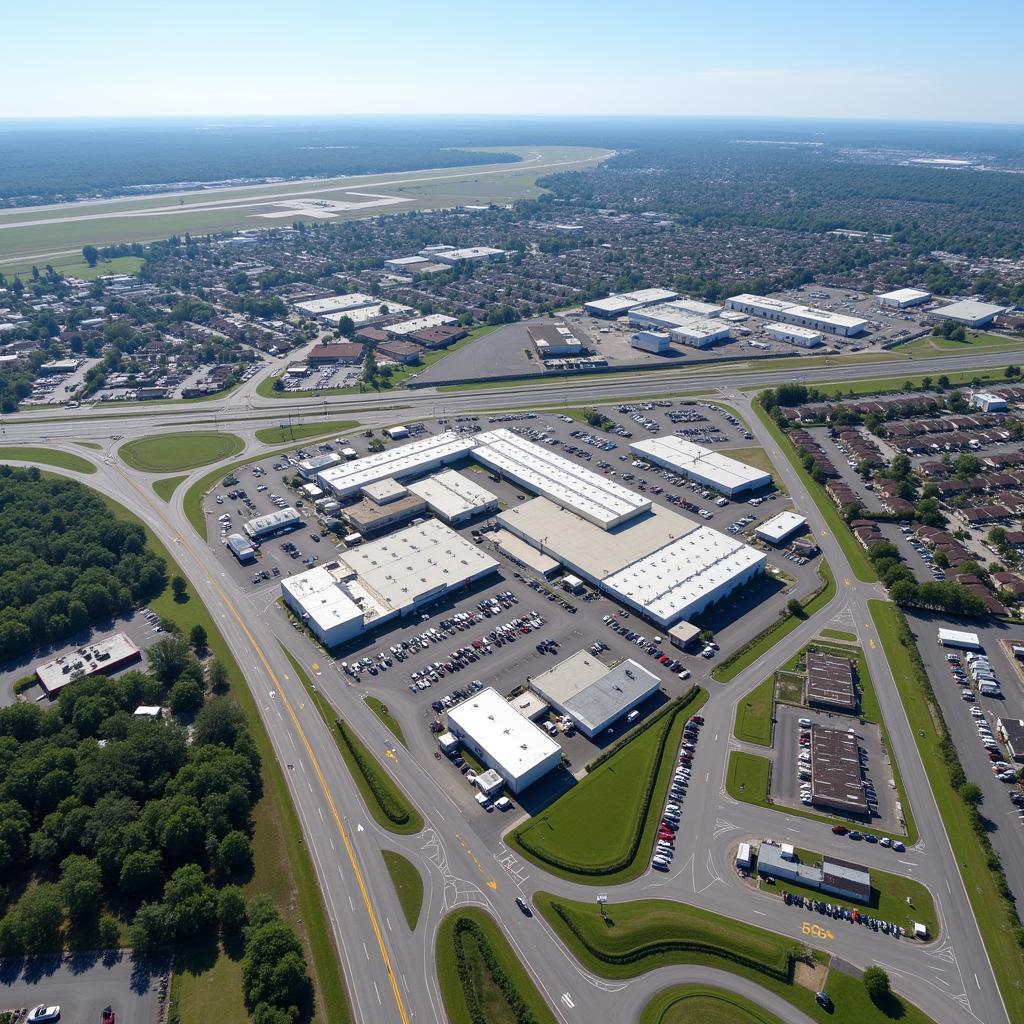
point(389, 970)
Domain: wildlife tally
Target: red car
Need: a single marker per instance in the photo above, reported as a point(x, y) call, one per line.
point(699, 719)
point(840, 830)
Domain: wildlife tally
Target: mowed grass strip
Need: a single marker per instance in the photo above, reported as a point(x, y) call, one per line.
point(170, 453)
point(408, 883)
point(46, 457)
point(992, 914)
point(383, 712)
point(754, 714)
point(481, 978)
point(602, 829)
point(684, 1004)
point(167, 486)
point(302, 431)
point(839, 634)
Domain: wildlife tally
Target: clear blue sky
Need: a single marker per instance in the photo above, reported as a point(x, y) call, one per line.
point(927, 59)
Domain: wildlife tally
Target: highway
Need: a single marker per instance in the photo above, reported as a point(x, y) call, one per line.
point(390, 971)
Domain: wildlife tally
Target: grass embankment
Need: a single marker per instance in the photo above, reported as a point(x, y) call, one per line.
point(601, 831)
point(47, 457)
point(769, 637)
point(839, 634)
point(683, 1004)
point(408, 883)
point(758, 458)
point(385, 802)
point(383, 712)
point(167, 486)
point(855, 554)
point(282, 867)
point(634, 938)
point(481, 978)
point(89, 444)
point(754, 714)
point(169, 453)
point(302, 431)
point(995, 915)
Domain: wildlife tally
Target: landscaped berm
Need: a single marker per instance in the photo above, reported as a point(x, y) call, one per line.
point(171, 453)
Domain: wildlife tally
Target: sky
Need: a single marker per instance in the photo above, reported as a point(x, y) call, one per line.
point(901, 59)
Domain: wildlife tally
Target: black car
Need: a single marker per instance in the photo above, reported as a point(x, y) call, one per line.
point(524, 906)
point(823, 1000)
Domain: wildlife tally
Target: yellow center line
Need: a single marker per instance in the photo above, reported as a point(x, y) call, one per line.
point(360, 881)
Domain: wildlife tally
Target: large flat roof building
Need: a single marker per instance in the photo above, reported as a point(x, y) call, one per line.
point(830, 682)
point(617, 305)
point(901, 298)
point(969, 312)
point(592, 694)
point(695, 462)
point(588, 494)
point(504, 739)
point(324, 605)
point(420, 323)
point(274, 522)
point(835, 771)
point(781, 527)
point(334, 304)
point(794, 335)
point(454, 497)
point(784, 311)
point(367, 316)
point(471, 254)
point(97, 658)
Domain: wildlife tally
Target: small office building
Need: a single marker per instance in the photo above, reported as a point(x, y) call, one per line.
point(241, 548)
point(274, 523)
point(781, 527)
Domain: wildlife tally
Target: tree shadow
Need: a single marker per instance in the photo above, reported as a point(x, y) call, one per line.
point(891, 1006)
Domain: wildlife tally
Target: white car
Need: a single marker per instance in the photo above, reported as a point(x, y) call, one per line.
point(43, 1013)
point(805, 722)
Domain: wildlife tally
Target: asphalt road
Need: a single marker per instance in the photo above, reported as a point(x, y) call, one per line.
point(389, 970)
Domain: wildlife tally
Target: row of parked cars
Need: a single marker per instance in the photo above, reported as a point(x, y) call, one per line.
point(670, 663)
point(672, 814)
point(839, 913)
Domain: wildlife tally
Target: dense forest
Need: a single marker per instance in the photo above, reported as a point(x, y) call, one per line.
point(66, 562)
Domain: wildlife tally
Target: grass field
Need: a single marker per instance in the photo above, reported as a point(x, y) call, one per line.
point(302, 431)
point(385, 802)
point(72, 265)
point(684, 1004)
point(747, 777)
point(768, 638)
point(634, 938)
point(282, 868)
point(754, 714)
point(758, 458)
point(839, 634)
point(169, 453)
point(931, 345)
point(888, 385)
point(408, 883)
point(166, 486)
point(380, 709)
point(855, 554)
point(1003, 950)
point(89, 444)
point(467, 982)
point(46, 457)
point(573, 837)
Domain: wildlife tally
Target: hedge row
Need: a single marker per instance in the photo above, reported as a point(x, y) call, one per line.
point(646, 794)
point(958, 778)
point(653, 949)
point(521, 1012)
point(382, 791)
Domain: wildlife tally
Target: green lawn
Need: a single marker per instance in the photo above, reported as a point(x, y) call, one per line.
point(282, 866)
point(747, 777)
point(385, 802)
point(47, 457)
point(573, 837)
point(932, 345)
point(758, 458)
point(888, 385)
point(855, 554)
point(754, 714)
point(167, 485)
point(634, 938)
point(302, 431)
point(472, 990)
point(839, 634)
point(168, 453)
point(768, 638)
point(989, 909)
point(72, 265)
point(89, 444)
point(684, 1004)
point(408, 883)
point(381, 710)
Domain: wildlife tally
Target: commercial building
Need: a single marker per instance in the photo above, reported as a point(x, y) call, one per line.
point(830, 683)
point(1012, 732)
point(969, 312)
point(835, 771)
point(591, 495)
point(98, 658)
point(988, 402)
point(697, 329)
point(334, 304)
point(781, 527)
point(341, 353)
point(684, 635)
point(845, 879)
point(504, 739)
point(241, 548)
point(405, 264)
point(901, 298)
point(471, 254)
point(420, 323)
point(519, 552)
point(368, 515)
point(367, 316)
point(275, 522)
point(593, 695)
point(620, 304)
point(657, 342)
point(700, 332)
point(420, 456)
point(384, 579)
point(309, 468)
point(556, 341)
point(695, 462)
point(453, 497)
point(783, 311)
point(793, 335)
point(834, 877)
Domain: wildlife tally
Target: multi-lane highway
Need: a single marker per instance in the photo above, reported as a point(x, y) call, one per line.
point(390, 971)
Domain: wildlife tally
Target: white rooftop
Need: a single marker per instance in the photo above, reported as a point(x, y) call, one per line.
point(324, 599)
point(686, 457)
point(335, 303)
point(365, 315)
point(779, 527)
point(513, 741)
point(422, 323)
point(905, 295)
point(794, 330)
point(969, 310)
point(651, 295)
point(825, 316)
point(452, 494)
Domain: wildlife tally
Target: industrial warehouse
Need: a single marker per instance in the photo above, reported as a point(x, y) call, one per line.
point(834, 877)
point(802, 316)
point(701, 464)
